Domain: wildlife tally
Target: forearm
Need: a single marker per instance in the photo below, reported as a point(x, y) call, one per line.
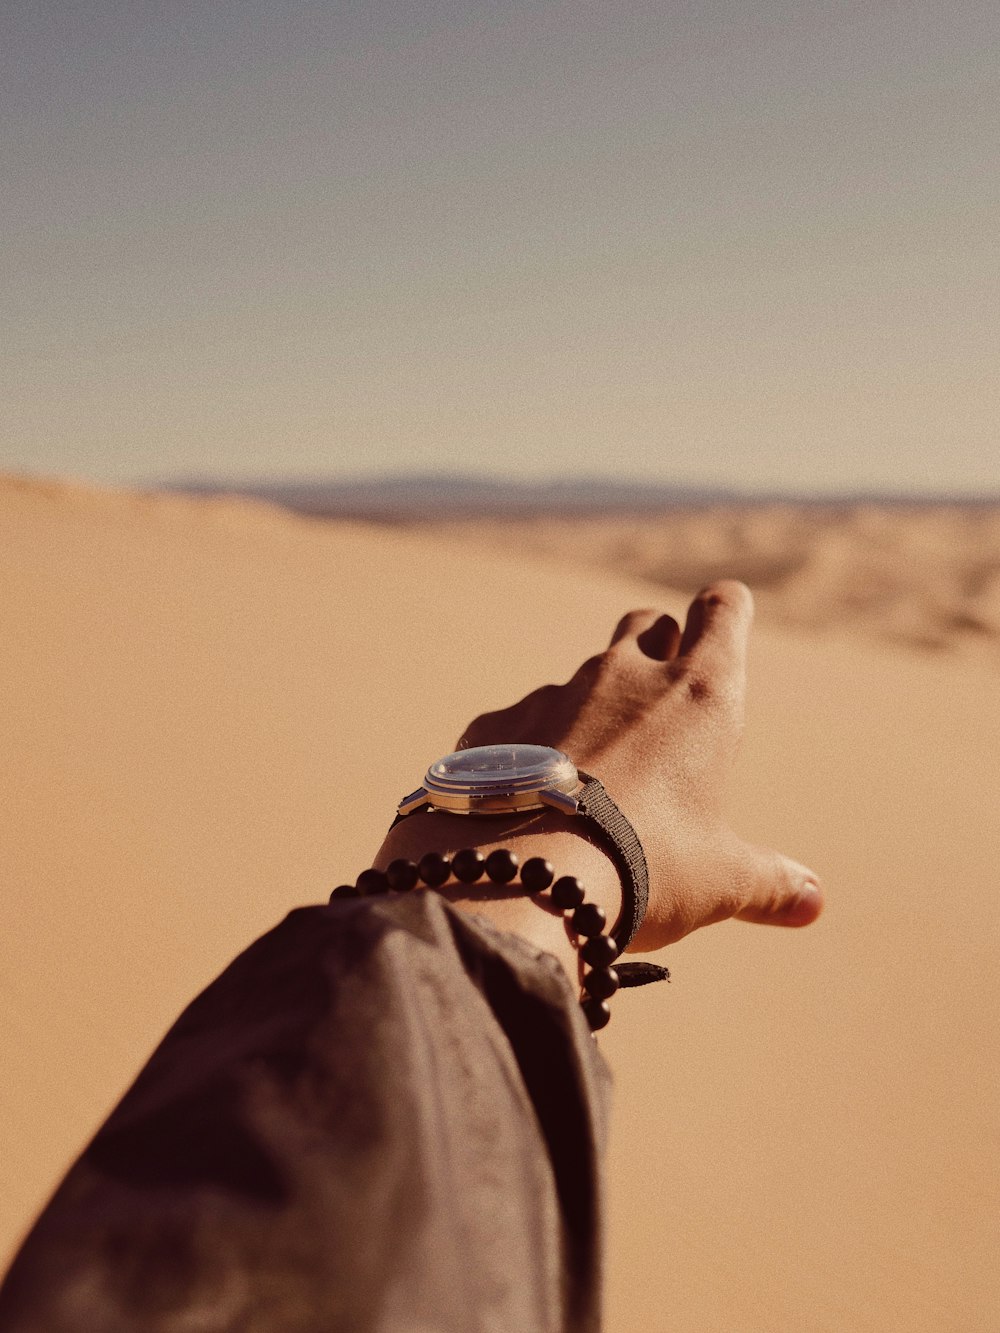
point(557, 838)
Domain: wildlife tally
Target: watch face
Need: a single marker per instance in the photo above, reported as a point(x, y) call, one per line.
point(491, 772)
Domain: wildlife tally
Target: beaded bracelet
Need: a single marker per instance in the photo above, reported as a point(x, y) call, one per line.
point(588, 921)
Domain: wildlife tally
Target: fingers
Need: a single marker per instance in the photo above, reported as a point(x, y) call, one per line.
point(715, 634)
point(661, 640)
point(632, 624)
point(774, 890)
point(656, 635)
point(718, 628)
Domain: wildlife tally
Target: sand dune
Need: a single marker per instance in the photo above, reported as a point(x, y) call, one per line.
point(927, 577)
point(196, 692)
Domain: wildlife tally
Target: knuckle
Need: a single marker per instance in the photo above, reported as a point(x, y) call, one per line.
point(512, 723)
point(534, 707)
point(631, 624)
point(728, 593)
point(743, 890)
point(709, 688)
point(693, 682)
point(544, 696)
point(592, 671)
point(761, 883)
point(478, 724)
point(479, 730)
point(637, 614)
point(699, 689)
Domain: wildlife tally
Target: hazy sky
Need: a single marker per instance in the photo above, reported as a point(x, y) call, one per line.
point(754, 243)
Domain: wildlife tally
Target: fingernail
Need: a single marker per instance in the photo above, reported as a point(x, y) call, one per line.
point(808, 903)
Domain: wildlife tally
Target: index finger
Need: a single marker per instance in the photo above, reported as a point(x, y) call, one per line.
point(718, 629)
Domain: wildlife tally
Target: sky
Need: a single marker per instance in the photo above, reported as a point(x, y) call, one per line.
point(707, 242)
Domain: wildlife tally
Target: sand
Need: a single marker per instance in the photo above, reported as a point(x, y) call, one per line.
point(921, 575)
point(210, 708)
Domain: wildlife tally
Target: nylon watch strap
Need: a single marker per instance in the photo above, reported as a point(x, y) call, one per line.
point(619, 839)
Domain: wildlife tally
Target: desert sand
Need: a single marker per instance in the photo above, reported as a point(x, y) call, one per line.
point(926, 576)
point(209, 711)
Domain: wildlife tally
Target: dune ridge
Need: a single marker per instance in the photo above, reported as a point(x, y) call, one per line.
point(927, 577)
point(923, 576)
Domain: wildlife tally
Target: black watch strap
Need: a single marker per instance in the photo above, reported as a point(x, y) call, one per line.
point(620, 840)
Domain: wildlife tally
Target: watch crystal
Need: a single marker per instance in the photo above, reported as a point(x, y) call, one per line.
point(523, 764)
point(497, 777)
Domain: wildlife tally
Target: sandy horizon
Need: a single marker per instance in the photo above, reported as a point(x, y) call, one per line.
point(923, 576)
point(196, 692)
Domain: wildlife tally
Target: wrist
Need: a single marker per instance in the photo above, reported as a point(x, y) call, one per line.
point(558, 838)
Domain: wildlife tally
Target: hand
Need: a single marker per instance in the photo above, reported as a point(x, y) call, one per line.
point(657, 717)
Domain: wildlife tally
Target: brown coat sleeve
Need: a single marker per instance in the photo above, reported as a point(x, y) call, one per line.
point(384, 1115)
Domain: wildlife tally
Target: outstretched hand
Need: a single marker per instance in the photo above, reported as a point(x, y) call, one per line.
point(657, 716)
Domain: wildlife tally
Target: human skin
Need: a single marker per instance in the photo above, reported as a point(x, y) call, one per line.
point(657, 716)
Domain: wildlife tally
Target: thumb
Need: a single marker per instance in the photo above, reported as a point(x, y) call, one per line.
point(775, 890)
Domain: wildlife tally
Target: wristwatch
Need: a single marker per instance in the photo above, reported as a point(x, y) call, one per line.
point(508, 779)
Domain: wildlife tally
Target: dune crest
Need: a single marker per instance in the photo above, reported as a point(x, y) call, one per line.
point(921, 576)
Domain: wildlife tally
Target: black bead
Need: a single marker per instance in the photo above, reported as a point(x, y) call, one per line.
point(371, 882)
point(567, 893)
point(599, 951)
point(537, 874)
point(468, 865)
point(589, 919)
point(597, 1013)
point(601, 983)
point(345, 891)
point(434, 869)
point(501, 866)
point(401, 874)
